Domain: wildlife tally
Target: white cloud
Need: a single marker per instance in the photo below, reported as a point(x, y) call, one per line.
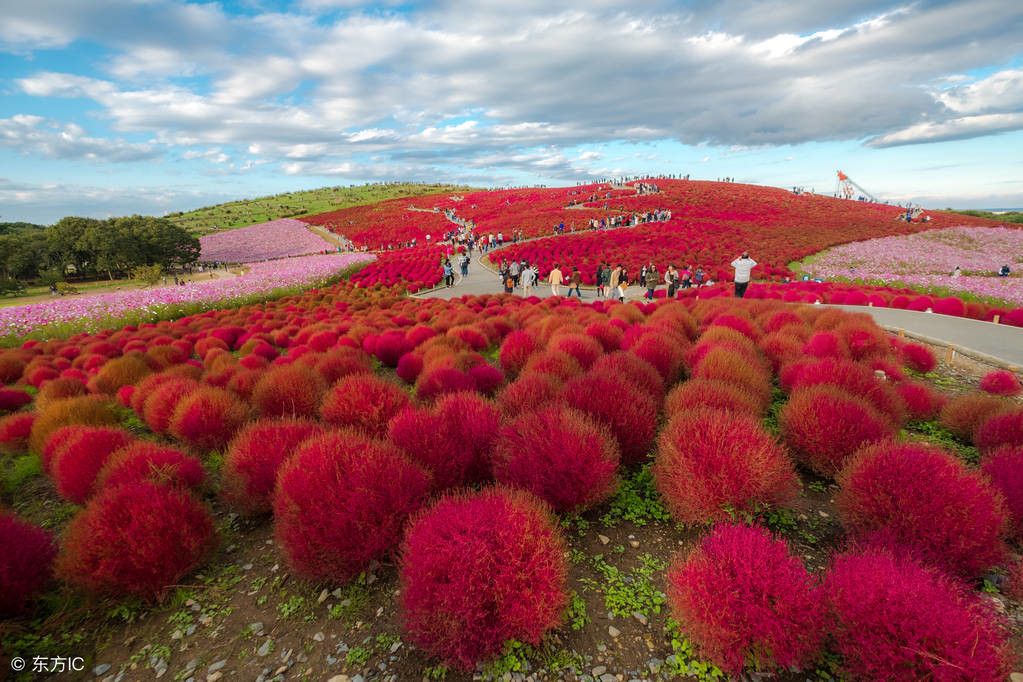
point(56, 140)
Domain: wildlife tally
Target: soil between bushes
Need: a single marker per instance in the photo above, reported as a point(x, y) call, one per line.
point(241, 616)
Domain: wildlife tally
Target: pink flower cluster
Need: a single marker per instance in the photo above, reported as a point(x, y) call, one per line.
point(265, 241)
point(105, 309)
point(927, 259)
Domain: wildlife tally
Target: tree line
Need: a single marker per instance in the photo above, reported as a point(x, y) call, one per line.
point(88, 248)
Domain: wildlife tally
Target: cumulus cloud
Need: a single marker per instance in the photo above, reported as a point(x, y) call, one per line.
point(55, 140)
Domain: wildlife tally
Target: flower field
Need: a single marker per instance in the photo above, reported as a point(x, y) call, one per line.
point(927, 259)
point(265, 241)
point(413, 269)
point(458, 474)
point(88, 313)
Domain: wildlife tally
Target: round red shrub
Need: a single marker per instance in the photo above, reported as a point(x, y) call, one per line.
point(158, 408)
point(607, 335)
point(855, 379)
point(920, 400)
point(1000, 429)
point(11, 367)
point(143, 461)
point(84, 410)
point(135, 539)
point(927, 501)
point(409, 367)
point(472, 423)
point(744, 600)
point(720, 395)
point(478, 569)
point(122, 371)
point(529, 392)
point(341, 501)
point(1001, 382)
point(560, 455)
point(724, 364)
point(254, 457)
point(962, 415)
point(559, 365)
point(341, 362)
point(632, 368)
point(390, 347)
point(364, 402)
point(585, 349)
point(15, 430)
point(207, 418)
point(516, 349)
point(826, 344)
point(1004, 467)
point(488, 379)
point(12, 399)
point(823, 425)
point(918, 357)
point(893, 619)
point(709, 461)
point(288, 391)
point(630, 414)
point(76, 462)
point(26, 564)
point(436, 381)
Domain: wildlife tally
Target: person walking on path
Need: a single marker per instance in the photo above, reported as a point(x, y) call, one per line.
point(600, 280)
point(556, 279)
point(449, 276)
point(612, 281)
point(528, 278)
point(574, 283)
point(652, 280)
point(743, 267)
point(671, 279)
point(513, 270)
point(465, 264)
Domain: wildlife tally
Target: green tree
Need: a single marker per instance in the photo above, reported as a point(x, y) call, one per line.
point(63, 242)
point(148, 274)
point(162, 241)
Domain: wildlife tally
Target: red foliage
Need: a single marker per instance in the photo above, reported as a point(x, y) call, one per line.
point(135, 539)
point(920, 400)
point(288, 391)
point(529, 392)
point(826, 344)
point(560, 455)
point(207, 418)
point(893, 619)
point(1001, 382)
point(78, 459)
point(472, 422)
point(855, 379)
point(919, 357)
point(11, 367)
point(724, 364)
point(478, 569)
point(585, 349)
point(823, 425)
point(743, 599)
point(1003, 428)
point(663, 353)
point(962, 415)
point(12, 399)
point(925, 500)
point(342, 500)
point(436, 381)
point(364, 402)
point(409, 367)
point(26, 564)
point(159, 406)
point(122, 371)
point(631, 368)
point(1004, 467)
point(709, 461)
point(630, 414)
point(390, 347)
point(14, 432)
point(488, 379)
point(142, 461)
point(720, 395)
point(559, 365)
point(84, 410)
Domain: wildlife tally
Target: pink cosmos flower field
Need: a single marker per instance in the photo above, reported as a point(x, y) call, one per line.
point(265, 241)
point(927, 259)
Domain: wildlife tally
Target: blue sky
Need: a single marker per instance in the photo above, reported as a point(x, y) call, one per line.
point(147, 106)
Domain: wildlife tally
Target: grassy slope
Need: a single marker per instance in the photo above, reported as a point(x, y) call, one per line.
point(294, 204)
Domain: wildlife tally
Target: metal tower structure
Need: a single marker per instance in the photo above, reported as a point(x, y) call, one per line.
point(848, 189)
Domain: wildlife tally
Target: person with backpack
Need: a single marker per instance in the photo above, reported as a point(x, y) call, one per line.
point(599, 277)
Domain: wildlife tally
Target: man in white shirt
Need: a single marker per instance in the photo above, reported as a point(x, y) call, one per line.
point(743, 266)
point(556, 279)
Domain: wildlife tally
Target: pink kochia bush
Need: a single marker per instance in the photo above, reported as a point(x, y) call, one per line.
point(624, 408)
point(208, 418)
point(1003, 428)
point(135, 539)
point(560, 455)
point(743, 599)
point(823, 425)
point(1001, 382)
point(80, 458)
point(363, 402)
point(341, 501)
point(894, 619)
point(711, 460)
point(478, 569)
point(1004, 468)
point(144, 461)
point(26, 563)
point(924, 500)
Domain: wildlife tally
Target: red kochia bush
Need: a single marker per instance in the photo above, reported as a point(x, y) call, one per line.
point(143, 461)
point(135, 539)
point(472, 423)
point(26, 563)
point(288, 391)
point(14, 432)
point(208, 418)
point(893, 619)
point(478, 569)
point(710, 460)
point(1004, 428)
point(1005, 469)
point(12, 399)
point(84, 410)
point(529, 392)
point(158, 408)
point(516, 350)
point(76, 462)
point(964, 414)
point(342, 501)
point(742, 598)
point(927, 501)
point(560, 455)
point(254, 457)
point(919, 357)
point(1001, 382)
point(624, 408)
point(920, 400)
point(363, 402)
point(721, 395)
point(631, 368)
point(823, 425)
point(122, 371)
point(11, 367)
